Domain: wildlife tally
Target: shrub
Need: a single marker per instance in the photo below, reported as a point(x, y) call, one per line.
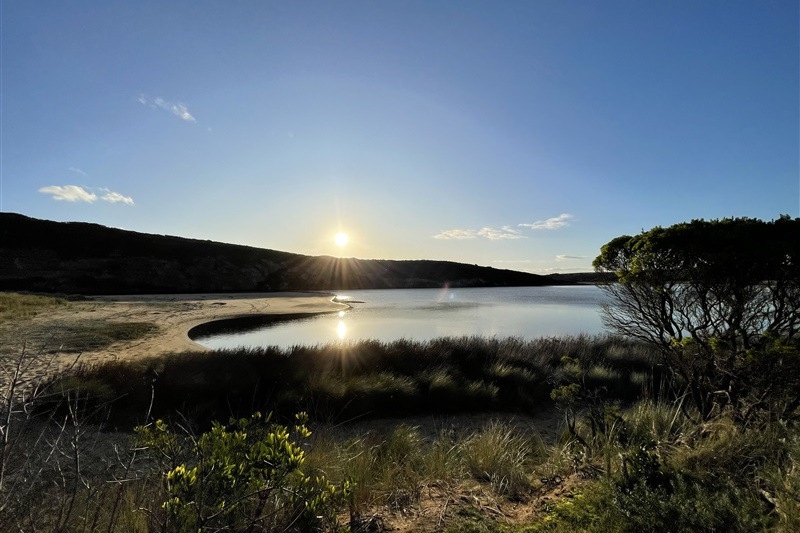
point(247, 475)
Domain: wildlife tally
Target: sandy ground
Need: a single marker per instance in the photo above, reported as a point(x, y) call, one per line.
point(174, 315)
point(177, 314)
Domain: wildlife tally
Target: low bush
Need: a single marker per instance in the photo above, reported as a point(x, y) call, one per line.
point(245, 476)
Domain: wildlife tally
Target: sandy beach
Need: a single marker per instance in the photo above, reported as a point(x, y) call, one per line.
point(173, 316)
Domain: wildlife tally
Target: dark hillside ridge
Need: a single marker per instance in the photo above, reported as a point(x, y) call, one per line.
point(83, 258)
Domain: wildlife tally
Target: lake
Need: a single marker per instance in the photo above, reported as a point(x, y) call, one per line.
point(424, 314)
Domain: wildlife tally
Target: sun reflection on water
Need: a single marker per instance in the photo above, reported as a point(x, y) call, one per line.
point(341, 330)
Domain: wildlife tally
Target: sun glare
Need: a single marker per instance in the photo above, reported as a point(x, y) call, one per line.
point(341, 239)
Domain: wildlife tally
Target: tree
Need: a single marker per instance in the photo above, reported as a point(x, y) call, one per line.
point(719, 299)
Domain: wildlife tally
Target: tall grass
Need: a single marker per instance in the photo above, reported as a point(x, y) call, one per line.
point(502, 457)
point(396, 466)
point(369, 378)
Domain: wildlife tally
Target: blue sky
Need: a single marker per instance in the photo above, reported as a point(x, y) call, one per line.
point(517, 134)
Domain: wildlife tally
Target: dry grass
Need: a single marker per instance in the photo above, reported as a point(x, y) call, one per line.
point(15, 306)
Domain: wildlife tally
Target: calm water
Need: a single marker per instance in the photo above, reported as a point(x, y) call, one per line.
point(424, 314)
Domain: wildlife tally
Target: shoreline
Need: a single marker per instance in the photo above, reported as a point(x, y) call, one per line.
point(178, 314)
point(174, 315)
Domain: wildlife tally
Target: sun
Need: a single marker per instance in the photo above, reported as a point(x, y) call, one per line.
point(341, 239)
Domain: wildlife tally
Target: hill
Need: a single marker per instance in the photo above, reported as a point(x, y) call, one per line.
point(83, 258)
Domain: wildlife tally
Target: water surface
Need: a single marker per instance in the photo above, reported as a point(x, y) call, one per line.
point(424, 314)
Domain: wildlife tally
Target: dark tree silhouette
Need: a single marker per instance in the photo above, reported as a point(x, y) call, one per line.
point(721, 300)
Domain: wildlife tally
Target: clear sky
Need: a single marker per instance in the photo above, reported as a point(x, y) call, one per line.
point(514, 134)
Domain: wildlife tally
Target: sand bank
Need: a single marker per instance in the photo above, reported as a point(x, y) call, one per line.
point(174, 316)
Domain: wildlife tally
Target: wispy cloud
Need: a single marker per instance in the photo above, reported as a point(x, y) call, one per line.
point(77, 193)
point(77, 171)
point(560, 221)
point(563, 257)
point(178, 109)
point(492, 234)
point(115, 197)
point(69, 193)
point(506, 232)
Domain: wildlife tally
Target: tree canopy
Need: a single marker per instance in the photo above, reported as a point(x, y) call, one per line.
point(709, 294)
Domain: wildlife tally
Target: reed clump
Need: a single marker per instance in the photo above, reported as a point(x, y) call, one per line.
point(369, 378)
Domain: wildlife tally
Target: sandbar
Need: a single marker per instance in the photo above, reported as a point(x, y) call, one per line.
point(173, 314)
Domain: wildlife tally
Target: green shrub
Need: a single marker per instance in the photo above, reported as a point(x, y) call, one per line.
point(247, 475)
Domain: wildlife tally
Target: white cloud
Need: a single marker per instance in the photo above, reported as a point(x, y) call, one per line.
point(503, 233)
point(181, 111)
point(76, 193)
point(178, 109)
point(563, 257)
point(560, 221)
point(486, 232)
point(69, 193)
point(77, 171)
point(115, 197)
point(456, 234)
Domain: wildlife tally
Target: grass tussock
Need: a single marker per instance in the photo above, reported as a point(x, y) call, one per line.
point(504, 458)
point(18, 305)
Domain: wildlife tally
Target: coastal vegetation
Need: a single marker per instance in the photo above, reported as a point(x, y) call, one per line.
point(720, 300)
point(685, 420)
point(632, 455)
point(339, 382)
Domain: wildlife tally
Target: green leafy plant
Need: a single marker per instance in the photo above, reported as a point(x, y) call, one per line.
point(244, 476)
